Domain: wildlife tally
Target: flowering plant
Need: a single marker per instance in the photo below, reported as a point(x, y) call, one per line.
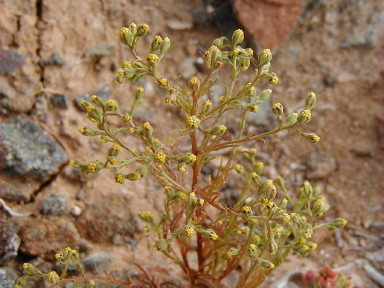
point(267, 222)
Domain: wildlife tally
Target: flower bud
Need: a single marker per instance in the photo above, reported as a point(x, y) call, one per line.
point(252, 107)
point(114, 150)
point(133, 176)
point(90, 284)
point(161, 245)
point(146, 216)
point(133, 28)
point(53, 278)
point(266, 264)
point(147, 129)
point(88, 131)
point(268, 189)
point(30, 269)
point(256, 178)
point(160, 157)
point(192, 199)
point(265, 94)
point(273, 79)
point(94, 167)
point(155, 45)
point(258, 167)
point(273, 246)
point(142, 30)
point(182, 167)
point(97, 100)
point(127, 117)
point(189, 158)
point(119, 178)
point(252, 249)
point(310, 101)
point(207, 106)
point(319, 207)
point(239, 169)
point(265, 57)
point(311, 245)
point(193, 122)
point(337, 224)
point(111, 106)
point(87, 106)
point(308, 189)
point(163, 82)
point(280, 216)
point(208, 233)
point(139, 92)
point(126, 64)
point(291, 119)
point(303, 250)
point(310, 137)
point(278, 109)
point(237, 37)
point(165, 45)
point(219, 42)
point(233, 252)
point(152, 60)
point(244, 63)
point(126, 36)
point(247, 210)
point(218, 130)
point(304, 117)
point(189, 231)
point(211, 56)
point(194, 83)
point(250, 92)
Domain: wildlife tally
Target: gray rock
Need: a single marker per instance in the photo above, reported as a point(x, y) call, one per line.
point(10, 60)
point(175, 24)
point(48, 235)
point(329, 81)
point(216, 91)
point(98, 262)
point(187, 68)
point(101, 49)
point(7, 277)
point(10, 192)
point(17, 101)
point(225, 19)
point(103, 93)
point(103, 218)
point(41, 108)
point(81, 98)
point(54, 60)
point(201, 17)
point(9, 241)
point(54, 204)
point(26, 150)
point(263, 117)
point(319, 166)
point(60, 101)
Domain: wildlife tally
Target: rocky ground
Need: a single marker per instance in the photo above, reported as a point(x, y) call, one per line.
point(54, 53)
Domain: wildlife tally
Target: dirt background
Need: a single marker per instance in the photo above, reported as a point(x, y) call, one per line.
point(334, 48)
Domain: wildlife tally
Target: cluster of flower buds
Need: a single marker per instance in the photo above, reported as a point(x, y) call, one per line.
point(131, 34)
point(159, 46)
point(87, 168)
point(132, 71)
point(212, 58)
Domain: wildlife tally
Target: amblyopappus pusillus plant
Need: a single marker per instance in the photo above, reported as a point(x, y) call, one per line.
point(267, 223)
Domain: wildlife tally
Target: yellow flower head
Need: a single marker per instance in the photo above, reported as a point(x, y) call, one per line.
point(160, 157)
point(189, 231)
